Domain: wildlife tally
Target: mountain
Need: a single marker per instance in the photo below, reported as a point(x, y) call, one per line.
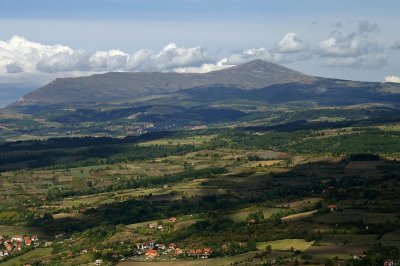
point(116, 86)
point(257, 93)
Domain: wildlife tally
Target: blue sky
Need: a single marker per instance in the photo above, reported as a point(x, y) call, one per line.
point(44, 39)
point(153, 9)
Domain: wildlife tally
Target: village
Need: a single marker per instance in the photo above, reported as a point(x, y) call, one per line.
point(17, 244)
point(154, 250)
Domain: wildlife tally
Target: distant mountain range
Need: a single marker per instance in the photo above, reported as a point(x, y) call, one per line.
point(267, 81)
point(258, 91)
point(116, 86)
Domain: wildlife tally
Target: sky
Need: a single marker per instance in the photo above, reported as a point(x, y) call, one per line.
point(41, 40)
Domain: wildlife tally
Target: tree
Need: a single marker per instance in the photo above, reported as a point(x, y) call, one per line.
point(257, 216)
point(328, 262)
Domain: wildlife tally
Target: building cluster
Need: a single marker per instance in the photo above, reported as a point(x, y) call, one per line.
point(16, 243)
point(138, 129)
point(199, 127)
point(153, 249)
point(160, 226)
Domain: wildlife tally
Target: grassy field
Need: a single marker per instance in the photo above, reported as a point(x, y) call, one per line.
point(12, 230)
point(298, 216)
point(286, 244)
point(209, 262)
point(354, 215)
point(265, 163)
point(341, 252)
point(195, 140)
point(115, 216)
point(241, 215)
point(347, 239)
point(300, 204)
point(31, 255)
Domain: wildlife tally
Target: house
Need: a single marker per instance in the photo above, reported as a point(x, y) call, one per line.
point(153, 225)
point(1, 253)
point(251, 221)
point(160, 246)
point(151, 253)
point(35, 238)
point(172, 219)
point(17, 238)
point(152, 244)
point(48, 244)
point(160, 226)
point(172, 246)
point(332, 207)
point(8, 246)
point(199, 252)
point(191, 252)
point(98, 262)
point(28, 242)
point(59, 236)
point(207, 251)
point(388, 263)
point(178, 251)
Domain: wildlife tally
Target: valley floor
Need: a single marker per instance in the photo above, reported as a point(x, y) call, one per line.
point(208, 197)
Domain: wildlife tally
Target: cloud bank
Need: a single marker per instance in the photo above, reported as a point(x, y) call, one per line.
point(20, 55)
point(26, 58)
point(395, 79)
point(26, 62)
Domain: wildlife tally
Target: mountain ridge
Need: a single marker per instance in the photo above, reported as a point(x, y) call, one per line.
point(113, 86)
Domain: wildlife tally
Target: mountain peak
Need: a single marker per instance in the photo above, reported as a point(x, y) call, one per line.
point(257, 63)
point(267, 67)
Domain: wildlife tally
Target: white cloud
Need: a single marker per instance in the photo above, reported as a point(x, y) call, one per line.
point(18, 55)
point(221, 64)
point(354, 49)
point(291, 43)
point(237, 58)
point(27, 55)
point(172, 56)
point(108, 60)
point(248, 55)
point(395, 79)
point(356, 43)
point(344, 46)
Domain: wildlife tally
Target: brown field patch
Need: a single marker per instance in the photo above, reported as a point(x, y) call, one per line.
point(299, 204)
point(298, 216)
